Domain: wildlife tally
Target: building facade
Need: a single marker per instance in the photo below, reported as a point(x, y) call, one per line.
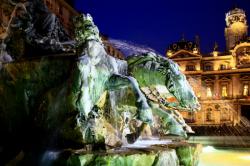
point(221, 81)
point(63, 11)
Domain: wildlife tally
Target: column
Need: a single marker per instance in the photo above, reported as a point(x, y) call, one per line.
point(216, 88)
point(234, 61)
point(236, 113)
point(236, 85)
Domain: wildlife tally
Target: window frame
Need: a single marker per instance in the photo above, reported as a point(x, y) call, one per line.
point(209, 115)
point(208, 67)
point(243, 89)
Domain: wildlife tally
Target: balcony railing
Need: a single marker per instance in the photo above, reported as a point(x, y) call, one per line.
point(242, 97)
point(225, 98)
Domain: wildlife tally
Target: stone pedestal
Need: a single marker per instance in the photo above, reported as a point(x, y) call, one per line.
point(158, 155)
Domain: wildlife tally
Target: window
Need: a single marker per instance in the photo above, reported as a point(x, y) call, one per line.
point(223, 67)
point(191, 116)
point(224, 91)
point(209, 114)
point(190, 68)
point(245, 90)
point(209, 92)
point(208, 67)
point(225, 114)
point(48, 3)
point(61, 10)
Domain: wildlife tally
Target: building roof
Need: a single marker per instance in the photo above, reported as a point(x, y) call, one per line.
point(183, 45)
point(235, 11)
point(183, 54)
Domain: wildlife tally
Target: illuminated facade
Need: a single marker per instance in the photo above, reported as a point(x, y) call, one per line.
point(236, 27)
point(63, 11)
point(220, 80)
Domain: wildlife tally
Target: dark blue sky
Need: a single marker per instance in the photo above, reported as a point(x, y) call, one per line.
point(157, 23)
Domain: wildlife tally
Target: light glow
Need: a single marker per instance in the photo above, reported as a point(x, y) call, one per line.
point(224, 157)
point(224, 91)
point(209, 92)
point(245, 157)
point(215, 53)
point(169, 53)
point(245, 90)
point(208, 149)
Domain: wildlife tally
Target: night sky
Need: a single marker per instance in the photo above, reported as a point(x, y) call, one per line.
point(157, 23)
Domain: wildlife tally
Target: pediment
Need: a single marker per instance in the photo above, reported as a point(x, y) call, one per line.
point(245, 77)
point(209, 79)
point(225, 79)
point(184, 54)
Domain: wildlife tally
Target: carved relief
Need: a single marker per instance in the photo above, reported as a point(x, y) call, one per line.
point(225, 114)
point(243, 57)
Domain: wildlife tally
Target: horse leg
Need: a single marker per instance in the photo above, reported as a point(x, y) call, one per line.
point(171, 124)
point(120, 81)
point(144, 111)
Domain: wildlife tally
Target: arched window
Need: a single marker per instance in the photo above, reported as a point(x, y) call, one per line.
point(245, 90)
point(190, 67)
point(61, 10)
point(208, 67)
point(223, 67)
point(209, 114)
point(209, 92)
point(225, 114)
point(224, 91)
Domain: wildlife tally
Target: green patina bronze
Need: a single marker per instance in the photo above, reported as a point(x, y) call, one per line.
point(87, 99)
point(151, 70)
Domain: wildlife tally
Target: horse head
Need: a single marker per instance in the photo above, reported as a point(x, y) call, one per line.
point(166, 73)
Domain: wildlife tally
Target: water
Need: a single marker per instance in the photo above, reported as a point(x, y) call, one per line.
point(112, 97)
point(223, 150)
point(140, 143)
point(86, 99)
point(49, 157)
point(212, 156)
point(122, 67)
point(129, 48)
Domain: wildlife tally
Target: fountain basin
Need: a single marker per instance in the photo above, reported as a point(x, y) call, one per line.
point(138, 154)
